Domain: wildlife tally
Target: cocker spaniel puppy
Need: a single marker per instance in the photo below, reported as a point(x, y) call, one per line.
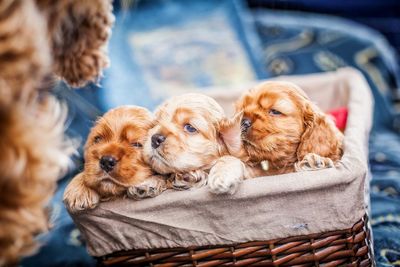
point(114, 164)
point(185, 141)
point(280, 131)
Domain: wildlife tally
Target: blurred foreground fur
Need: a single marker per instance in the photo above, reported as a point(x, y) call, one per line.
point(39, 38)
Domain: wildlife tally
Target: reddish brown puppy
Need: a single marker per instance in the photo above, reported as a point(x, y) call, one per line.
point(281, 131)
point(114, 164)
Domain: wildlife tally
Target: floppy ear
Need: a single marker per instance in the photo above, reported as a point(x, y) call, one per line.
point(79, 34)
point(230, 133)
point(320, 135)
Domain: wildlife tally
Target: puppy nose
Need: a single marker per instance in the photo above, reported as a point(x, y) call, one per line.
point(107, 163)
point(157, 139)
point(246, 124)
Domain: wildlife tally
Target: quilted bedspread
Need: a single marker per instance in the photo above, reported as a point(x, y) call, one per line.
point(224, 43)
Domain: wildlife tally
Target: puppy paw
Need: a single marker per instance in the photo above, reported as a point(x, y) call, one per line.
point(193, 179)
point(78, 196)
point(312, 162)
point(151, 187)
point(226, 175)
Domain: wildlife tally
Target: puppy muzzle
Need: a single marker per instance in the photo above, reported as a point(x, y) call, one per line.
point(157, 140)
point(107, 163)
point(245, 125)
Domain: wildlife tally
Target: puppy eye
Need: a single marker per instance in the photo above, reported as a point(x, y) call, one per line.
point(97, 139)
point(274, 112)
point(136, 144)
point(189, 128)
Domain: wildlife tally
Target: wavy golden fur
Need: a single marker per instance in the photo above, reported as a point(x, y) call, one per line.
point(37, 39)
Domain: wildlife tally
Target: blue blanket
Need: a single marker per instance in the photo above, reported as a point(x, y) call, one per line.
point(149, 56)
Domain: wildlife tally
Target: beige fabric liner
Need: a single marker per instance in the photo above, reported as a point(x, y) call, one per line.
point(264, 208)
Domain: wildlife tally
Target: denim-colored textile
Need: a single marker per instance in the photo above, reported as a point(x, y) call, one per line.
point(283, 43)
point(382, 15)
point(162, 47)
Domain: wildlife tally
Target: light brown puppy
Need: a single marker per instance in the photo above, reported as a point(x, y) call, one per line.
point(185, 141)
point(281, 131)
point(114, 160)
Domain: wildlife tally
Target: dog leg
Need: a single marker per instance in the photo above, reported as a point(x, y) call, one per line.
point(313, 162)
point(78, 196)
point(193, 179)
point(151, 187)
point(226, 175)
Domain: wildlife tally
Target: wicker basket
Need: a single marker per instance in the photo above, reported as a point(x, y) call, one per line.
point(348, 247)
point(299, 219)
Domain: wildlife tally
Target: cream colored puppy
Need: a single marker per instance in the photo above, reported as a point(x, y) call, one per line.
point(185, 142)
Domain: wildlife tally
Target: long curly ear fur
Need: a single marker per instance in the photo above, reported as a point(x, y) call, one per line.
point(79, 31)
point(320, 136)
point(36, 38)
point(34, 154)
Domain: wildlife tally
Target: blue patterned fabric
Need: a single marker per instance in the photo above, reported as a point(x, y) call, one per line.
point(168, 46)
point(183, 46)
point(382, 15)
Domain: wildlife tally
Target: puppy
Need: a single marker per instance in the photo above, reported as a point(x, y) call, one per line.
point(280, 131)
point(185, 141)
point(114, 163)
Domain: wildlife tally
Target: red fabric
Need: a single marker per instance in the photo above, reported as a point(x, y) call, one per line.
point(340, 117)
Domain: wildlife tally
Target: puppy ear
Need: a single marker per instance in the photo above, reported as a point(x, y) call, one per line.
point(79, 38)
point(320, 135)
point(230, 133)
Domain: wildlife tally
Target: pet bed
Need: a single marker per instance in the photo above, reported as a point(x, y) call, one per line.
point(308, 218)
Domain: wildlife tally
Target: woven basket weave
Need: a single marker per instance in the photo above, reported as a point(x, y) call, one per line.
point(348, 247)
point(298, 219)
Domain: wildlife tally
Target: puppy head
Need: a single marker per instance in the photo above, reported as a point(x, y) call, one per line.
point(113, 152)
point(280, 124)
point(185, 137)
